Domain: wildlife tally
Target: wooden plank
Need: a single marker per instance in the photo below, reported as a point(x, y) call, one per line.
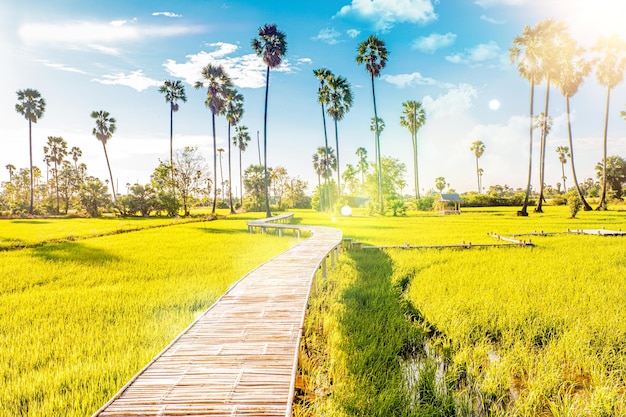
point(239, 358)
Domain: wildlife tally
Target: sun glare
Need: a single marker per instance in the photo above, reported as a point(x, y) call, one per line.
point(590, 20)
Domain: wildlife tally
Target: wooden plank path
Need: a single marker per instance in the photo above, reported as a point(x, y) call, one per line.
point(240, 357)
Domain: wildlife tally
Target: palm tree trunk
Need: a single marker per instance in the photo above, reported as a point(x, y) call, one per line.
point(267, 182)
point(524, 210)
point(56, 183)
point(326, 166)
point(30, 150)
point(378, 156)
point(214, 164)
point(602, 202)
point(106, 156)
point(586, 205)
point(563, 176)
point(172, 149)
point(477, 175)
point(542, 158)
point(415, 173)
point(230, 177)
point(338, 166)
point(240, 181)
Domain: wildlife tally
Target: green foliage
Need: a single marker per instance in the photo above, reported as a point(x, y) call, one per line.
point(574, 203)
point(395, 203)
point(94, 195)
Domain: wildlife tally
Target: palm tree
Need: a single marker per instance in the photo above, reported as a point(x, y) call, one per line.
point(323, 97)
point(241, 140)
point(362, 165)
point(217, 83)
point(526, 53)
point(413, 118)
point(11, 168)
point(174, 91)
point(377, 125)
point(271, 44)
point(555, 41)
point(609, 72)
point(105, 127)
point(478, 147)
point(373, 53)
point(234, 112)
point(56, 151)
point(572, 74)
point(76, 153)
point(220, 151)
point(340, 95)
point(563, 152)
point(32, 106)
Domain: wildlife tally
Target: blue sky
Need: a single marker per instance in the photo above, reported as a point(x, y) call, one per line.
point(451, 55)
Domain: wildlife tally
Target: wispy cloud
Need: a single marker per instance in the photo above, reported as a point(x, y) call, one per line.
point(246, 71)
point(456, 100)
point(491, 3)
point(413, 79)
point(105, 49)
point(492, 20)
point(61, 67)
point(167, 14)
point(476, 55)
point(353, 33)
point(136, 80)
point(386, 13)
point(87, 33)
point(429, 44)
point(330, 36)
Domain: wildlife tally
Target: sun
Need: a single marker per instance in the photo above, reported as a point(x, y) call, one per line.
point(589, 20)
point(494, 104)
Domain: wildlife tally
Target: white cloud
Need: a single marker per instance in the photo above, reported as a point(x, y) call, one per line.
point(413, 79)
point(456, 100)
point(61, 67)
point(492, 20)
point(105, 49)
point(431, 43)
point(476, 55)
point(330, 36)
point(135, 80)
point(246, 71)
point(86, 33)
point(386, 13)
point(304, 61)
point(491, 3)
point(167, 14)
point(353, 33)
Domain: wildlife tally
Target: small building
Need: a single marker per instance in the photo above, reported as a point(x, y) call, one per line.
point(449, 204)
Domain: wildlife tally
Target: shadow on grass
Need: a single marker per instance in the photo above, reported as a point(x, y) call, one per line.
point(74, 252)
point(375, 335)
point(221, 231)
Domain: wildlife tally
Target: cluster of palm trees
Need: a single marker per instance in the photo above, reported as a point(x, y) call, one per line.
point(548, 52)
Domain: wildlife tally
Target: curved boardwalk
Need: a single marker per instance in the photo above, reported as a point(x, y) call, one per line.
point(240, 357)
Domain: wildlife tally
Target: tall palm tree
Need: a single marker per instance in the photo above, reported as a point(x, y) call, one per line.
point(217, 82)
point(234, 112)
point(271, 44)
point(105, 127)
point(413, 118)
point(573, 72)
point(323, 97)
point(241, 140)
point(56, 151)
point(563, 152)
point(220, 151)
point(373, 53)
point(76, 153)
point(362, 165)
point(478, 147)
point(340, 102)
point(174, 91)
point(377, 125)
point(11, 168)
point(32, 106)
point(526, 53)
point(609, 72)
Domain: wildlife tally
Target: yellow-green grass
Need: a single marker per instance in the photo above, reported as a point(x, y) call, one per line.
point(523, 331)
point(78, 319)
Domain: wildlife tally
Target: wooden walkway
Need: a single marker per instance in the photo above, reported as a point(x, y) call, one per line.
point(240, 357)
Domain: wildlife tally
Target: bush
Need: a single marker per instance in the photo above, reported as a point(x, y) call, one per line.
point(574, 203)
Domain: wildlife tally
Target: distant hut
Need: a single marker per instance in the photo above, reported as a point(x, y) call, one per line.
point(449, 204)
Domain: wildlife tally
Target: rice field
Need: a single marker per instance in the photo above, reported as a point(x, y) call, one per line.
point(516, 331)
point(80, 317)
